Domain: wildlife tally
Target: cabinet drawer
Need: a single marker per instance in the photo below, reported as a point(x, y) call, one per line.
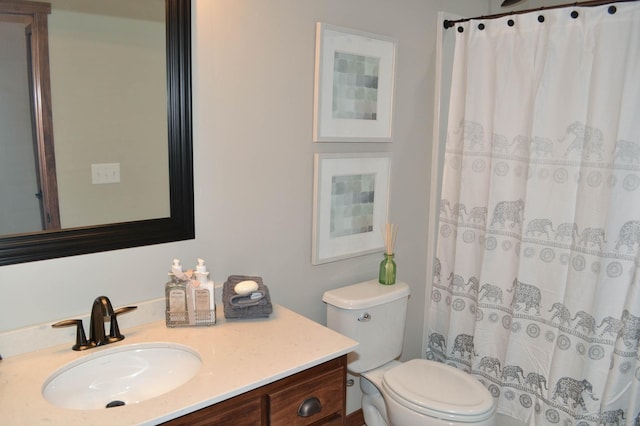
point(243, 410)
point(328, 388)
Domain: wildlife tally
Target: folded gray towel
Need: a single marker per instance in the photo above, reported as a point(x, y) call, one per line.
point(236, 306)
point(247, 300)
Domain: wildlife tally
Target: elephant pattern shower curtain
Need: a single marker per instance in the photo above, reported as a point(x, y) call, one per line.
point(536, 284)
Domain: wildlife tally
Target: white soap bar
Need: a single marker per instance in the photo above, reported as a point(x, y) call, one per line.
point(245, 287)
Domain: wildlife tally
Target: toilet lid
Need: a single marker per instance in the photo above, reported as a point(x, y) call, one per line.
point(438, 390)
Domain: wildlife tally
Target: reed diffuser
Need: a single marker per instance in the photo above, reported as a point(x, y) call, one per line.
point(387, 275)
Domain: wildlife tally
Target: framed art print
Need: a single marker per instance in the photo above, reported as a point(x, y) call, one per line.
point(354, 85)
point(350, 204)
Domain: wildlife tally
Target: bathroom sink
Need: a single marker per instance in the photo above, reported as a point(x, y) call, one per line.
point(121, 376)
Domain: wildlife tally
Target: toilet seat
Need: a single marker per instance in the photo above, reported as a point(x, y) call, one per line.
point(438, 390)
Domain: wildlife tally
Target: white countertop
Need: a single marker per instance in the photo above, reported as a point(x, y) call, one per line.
point(237, 356)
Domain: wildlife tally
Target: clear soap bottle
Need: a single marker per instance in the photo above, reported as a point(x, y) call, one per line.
point(176, 296)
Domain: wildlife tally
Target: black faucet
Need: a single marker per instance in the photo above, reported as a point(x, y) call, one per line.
point(101, 311)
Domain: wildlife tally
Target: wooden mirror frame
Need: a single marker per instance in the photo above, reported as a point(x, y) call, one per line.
point(180, 225)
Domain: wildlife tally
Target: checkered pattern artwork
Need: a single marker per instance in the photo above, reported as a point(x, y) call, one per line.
point(355, 86)
point(352, 199)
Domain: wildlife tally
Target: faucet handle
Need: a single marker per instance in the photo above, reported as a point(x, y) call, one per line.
point(124, 310)
point(114, 330)
point(81, 339)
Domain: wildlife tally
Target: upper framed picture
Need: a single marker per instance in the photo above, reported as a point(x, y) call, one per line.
point(350, 205)
point(354, 85)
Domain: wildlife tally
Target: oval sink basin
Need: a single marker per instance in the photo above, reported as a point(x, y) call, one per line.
point(121, 376)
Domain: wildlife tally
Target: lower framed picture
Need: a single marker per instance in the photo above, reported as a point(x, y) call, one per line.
point(350, 205)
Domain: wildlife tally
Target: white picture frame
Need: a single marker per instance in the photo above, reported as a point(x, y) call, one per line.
point(353, 85)
point(349, 220)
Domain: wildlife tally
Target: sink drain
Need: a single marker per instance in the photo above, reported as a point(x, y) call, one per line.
point(115, 404)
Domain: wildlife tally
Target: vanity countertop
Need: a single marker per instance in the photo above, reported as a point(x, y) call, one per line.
point(237, 356)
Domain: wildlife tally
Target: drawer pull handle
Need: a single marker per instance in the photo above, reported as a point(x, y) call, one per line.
point(309, 407)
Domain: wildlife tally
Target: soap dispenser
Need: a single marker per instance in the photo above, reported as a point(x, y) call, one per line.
point(176, 296)
point(203, 296)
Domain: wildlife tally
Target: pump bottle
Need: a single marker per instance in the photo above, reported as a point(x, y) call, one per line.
point(203, 295)
point(176, 296)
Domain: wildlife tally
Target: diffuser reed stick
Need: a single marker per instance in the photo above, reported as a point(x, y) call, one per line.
point(391, 232)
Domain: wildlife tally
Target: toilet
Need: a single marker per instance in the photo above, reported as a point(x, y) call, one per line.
point(412, 393)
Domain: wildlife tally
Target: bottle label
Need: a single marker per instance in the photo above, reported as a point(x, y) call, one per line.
point(177, 300)
point(203, 300)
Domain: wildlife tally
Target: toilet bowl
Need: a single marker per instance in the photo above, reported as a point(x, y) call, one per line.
point(422, 392)
point(374, 407)
point(414, 393)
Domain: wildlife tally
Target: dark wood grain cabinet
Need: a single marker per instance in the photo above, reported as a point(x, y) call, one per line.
point(316, 396)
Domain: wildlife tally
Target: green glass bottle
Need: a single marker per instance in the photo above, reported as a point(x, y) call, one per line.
point(387, 274)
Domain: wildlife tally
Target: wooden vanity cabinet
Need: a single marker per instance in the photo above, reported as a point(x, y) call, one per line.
point(316, 396)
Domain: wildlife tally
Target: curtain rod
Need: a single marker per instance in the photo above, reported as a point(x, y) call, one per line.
point(450, 23)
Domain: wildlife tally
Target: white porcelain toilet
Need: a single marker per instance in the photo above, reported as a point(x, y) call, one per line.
point(413, 393)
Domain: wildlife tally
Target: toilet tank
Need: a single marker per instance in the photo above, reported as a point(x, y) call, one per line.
point(372, 314)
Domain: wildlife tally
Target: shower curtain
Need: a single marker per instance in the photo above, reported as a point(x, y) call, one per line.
point(535, 287)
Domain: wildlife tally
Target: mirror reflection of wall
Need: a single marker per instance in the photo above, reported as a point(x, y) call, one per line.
point(109, 106)
point(108, 86)
point(20, 208)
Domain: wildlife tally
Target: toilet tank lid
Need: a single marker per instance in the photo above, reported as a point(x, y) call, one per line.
point(365, 295)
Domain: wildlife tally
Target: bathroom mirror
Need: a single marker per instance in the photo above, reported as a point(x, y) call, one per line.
point(178, 224)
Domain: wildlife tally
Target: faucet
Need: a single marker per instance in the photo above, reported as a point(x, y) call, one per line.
point(100, 311)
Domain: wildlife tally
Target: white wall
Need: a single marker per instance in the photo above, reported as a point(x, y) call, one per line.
point(253, 98)
point(527, 4)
